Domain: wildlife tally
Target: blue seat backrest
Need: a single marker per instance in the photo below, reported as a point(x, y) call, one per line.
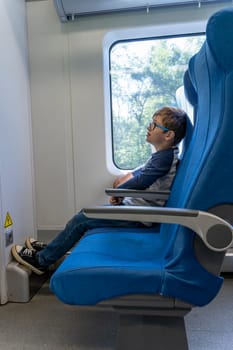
point(204, 179)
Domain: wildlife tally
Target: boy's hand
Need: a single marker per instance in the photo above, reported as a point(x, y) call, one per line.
point(116, 200)
point(121, 179)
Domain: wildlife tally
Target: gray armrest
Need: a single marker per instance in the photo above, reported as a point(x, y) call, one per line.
point(149, 195)
point(215, 232)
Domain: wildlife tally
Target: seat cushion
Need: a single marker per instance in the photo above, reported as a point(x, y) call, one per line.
point(109, 263)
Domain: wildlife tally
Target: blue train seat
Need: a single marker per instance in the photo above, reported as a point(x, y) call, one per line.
point(152, 278)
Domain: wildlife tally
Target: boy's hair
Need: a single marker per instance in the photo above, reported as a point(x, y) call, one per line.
point(174, 119)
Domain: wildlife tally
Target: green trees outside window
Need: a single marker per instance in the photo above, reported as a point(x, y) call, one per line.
point(144, 76)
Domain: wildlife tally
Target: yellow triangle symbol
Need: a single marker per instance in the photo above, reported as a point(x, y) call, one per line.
point(8, 221)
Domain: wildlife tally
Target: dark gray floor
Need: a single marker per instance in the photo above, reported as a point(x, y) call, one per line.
point(47, 324)
point(211, 327)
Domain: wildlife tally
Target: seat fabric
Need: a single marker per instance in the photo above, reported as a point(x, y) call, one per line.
point(112, 262)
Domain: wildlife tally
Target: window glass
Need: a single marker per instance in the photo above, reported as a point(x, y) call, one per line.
point(144, 76)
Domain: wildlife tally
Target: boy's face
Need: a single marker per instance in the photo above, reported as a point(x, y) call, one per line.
point(158, 135)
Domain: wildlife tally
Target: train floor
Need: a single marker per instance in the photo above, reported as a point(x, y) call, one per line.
point(45, 323)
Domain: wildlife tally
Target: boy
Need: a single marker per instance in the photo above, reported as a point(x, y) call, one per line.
point(166, 130)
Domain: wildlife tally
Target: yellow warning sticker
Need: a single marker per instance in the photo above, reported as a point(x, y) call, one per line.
point(8, 221)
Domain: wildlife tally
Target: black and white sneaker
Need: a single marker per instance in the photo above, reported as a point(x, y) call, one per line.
point(27, 257)
point(32, 243)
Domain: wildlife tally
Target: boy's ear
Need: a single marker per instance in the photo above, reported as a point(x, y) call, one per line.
point(170, 135)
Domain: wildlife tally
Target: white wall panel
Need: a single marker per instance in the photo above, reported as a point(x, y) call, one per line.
point(16, 169)
point(51, 113)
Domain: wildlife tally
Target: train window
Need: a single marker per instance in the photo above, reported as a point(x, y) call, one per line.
point(144, 75)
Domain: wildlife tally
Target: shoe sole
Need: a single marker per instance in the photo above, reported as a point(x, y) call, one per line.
point(28, 244)
point(23, 262)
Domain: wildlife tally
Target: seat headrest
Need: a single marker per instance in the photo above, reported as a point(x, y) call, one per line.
point(219, 36)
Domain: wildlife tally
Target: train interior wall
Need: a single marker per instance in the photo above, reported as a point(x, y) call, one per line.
point(67, 94)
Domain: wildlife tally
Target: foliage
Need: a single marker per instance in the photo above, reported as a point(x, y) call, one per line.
point(144, 77)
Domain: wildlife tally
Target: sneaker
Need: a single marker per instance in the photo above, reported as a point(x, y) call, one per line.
point(32, 243)
point(27, 257)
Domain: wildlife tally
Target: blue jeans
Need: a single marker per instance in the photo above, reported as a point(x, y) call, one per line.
point(72, 233)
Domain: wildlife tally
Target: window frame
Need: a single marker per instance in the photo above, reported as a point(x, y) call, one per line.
point(140, 33)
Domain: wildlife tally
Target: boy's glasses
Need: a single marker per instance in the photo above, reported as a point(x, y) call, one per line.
point(154, 125)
